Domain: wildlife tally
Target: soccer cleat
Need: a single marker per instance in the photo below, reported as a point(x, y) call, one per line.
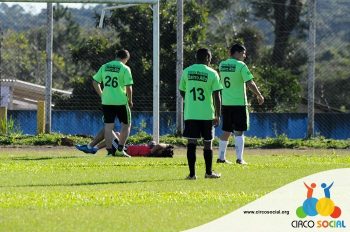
point(121, 154)
point(223, 161)
point(213, 175)
point(86, 149)
point(191, 177)
point(242, 162)
point(109, 155)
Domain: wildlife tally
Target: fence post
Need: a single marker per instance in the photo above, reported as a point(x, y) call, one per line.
point(311, 69)
point(49, 49)
point(3, 120)
point(179, 67)
point(40, 117)
point(156, 52)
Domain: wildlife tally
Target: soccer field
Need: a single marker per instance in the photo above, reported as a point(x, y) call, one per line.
point(61, 189)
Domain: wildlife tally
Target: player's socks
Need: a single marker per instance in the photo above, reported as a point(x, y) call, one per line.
point(208, 158)
point(115, 143)
point(222, 149)
point(191, 158)
point(239, 146)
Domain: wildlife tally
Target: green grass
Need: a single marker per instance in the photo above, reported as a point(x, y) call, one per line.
point(60, 189)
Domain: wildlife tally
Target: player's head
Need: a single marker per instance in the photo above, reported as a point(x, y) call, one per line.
point(238, 51)
point(203, 56)
point(123, 55)
point(151, 144)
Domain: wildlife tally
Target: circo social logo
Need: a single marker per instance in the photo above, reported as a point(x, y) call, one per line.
point(323, 206)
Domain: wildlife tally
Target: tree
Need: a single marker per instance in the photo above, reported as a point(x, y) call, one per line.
point(13, 16)
point(284, 16)
point(133, 27)
point(281, 89)
point(325, 90)
point(21, 59)
point(89, 55)
point(25, 52)
point(252, 39)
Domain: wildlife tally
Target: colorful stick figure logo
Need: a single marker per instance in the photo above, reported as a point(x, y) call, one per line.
point(323, 206)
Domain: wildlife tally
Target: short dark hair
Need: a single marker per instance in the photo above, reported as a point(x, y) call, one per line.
point(122, 54)
point(237, 48)
point(202, 54)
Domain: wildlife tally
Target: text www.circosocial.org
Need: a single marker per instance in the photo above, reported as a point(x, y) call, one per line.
point(285, 212)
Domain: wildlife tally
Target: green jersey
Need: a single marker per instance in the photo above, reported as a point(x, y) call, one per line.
point(199, 81)
point(115, 76)
point(234, 74)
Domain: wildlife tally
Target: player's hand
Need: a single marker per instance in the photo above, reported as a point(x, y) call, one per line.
point(260, 99)
point(216, 121)
point(131, 104)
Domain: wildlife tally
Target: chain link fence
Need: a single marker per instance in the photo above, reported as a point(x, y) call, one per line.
point(80, 47)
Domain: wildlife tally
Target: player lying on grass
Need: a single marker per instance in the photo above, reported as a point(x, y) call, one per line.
point(150, 149)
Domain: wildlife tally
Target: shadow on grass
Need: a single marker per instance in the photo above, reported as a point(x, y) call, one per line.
point(90, 183)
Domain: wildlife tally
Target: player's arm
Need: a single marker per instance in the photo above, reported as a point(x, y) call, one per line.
point(129, 94)
point(97, 87)
point(252, 86)
point(97, 80)
point(182, 85)
point(182, 93)
point(217, 105)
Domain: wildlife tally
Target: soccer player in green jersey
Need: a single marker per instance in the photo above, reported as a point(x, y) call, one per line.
point(116, 99)
point(200, 87)
point(235, 76)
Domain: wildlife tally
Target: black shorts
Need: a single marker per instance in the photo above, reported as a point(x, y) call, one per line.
point(235, 118)
point(196, 129)
point(122, 112)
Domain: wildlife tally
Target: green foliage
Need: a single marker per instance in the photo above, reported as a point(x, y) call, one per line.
point(24, 53)
point(140, 138)
point(53, 139)
point(140, 128)
point(281, 141)
point(332, 75)
point(327, 88)
point(281, 89)
point(83, 97)
point(175, 140)
point(285, 17)
point(95, 50)
point(11, 15)
point(21, 58)
point(11, 127)
point(252, 38)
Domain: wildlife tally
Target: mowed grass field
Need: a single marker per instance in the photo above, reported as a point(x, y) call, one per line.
point(62, 189)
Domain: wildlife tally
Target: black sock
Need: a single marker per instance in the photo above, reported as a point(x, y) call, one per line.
point(120, 147)
point(208, 158)
point(191, 158)
point(115, 143)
